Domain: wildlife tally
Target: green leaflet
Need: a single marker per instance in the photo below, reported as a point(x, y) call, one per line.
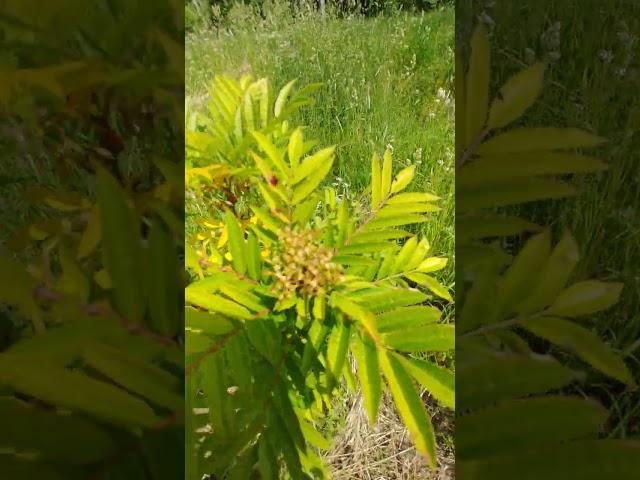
point(91, 235)
point(73, 281)
point(380, 300)
point(432, 284)
point(406, 253)
point(75, 391)
point(273, 154)
point(356, 312)
point(294, 149)
point(209, 323)
point(516, 96)
point(385, 178)
point(524, 272)
point(504, 169)
point(587, 460)
point(366, 357)
point(394, 221)
point(265, 338)
point(584, 343)
point(337, 352)
point(425, 338)
point(490, 379)
point(312, 181)
point(254, 261)
point(514, 193)
point(151, 382)
point(121, 247)
point(520, 424)
point(403, 179)
point(69, 439)
point(388, 259)
point(304, 210)
point(243, 466)
point(407, 317)
point(584, 298)
point(312, 163)
point(216, 303)
point(439, 382)
point(237, 246)
point(162, 282)
point(314, 437)
point(283, 95)
point(267, 220)
point(477, 91)
point(538, 139)
point(283, 443)
point(242, 296)
point(376, 182)
point(317, 334)
point(379, 235)
point(553, 277)
point(267, 459)
point(399, 209)
point(432, 264)
point(269, 196)
point(409, 405)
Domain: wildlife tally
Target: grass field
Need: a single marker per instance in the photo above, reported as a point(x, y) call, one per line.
point(387, 83)
point(592, 83)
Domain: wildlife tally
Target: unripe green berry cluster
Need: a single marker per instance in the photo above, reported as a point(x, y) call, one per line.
point(302, 265)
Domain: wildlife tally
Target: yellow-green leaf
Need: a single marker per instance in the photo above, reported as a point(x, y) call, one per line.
point(477, 94)
point(216, 303)
point(403, 179)
point(537, 139)
point(584, 298)
point(439, 382)
point(364, 351)
point(516, 96)
point(312, 181)
point(313, 163)
point(295, 147)
point(282, 98)
point(409, 405)
point(376, 181)
point(122, 248)
point(424, 338)
point(385, 179)
point(585, 344)
point(75, 391)
point(237, 246)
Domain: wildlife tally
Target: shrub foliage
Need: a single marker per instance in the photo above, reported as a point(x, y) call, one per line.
point(516, 415)
point(92, 382)
point(282, 297)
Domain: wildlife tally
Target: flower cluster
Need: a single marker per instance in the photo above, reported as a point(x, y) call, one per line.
point(302, 265)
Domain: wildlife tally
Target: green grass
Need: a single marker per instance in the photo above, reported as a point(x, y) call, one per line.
point(382, 77)
point(586, 91)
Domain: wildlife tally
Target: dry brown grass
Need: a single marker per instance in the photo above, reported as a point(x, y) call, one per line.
point(385, 452)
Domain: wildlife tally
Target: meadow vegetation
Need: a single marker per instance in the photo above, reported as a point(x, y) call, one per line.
point(387, 83)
